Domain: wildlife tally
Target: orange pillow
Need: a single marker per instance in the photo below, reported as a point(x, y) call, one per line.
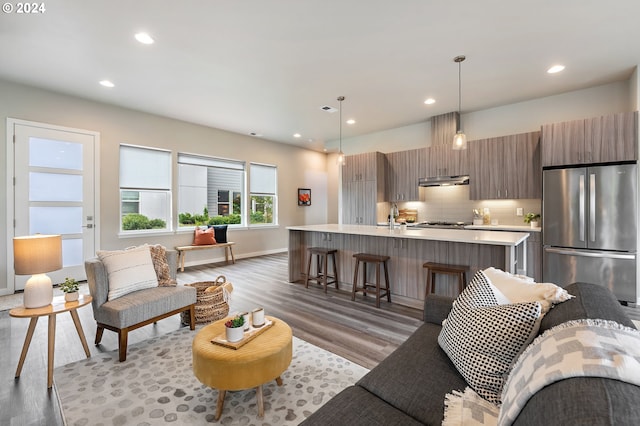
point(203, 237)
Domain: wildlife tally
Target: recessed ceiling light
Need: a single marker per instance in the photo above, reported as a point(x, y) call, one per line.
point(351, 121)
point(144, 38)
point(430, 101)
point(107, 83)
point(297, 135)
point(556, 68)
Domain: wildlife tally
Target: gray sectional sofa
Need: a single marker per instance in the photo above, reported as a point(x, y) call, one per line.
point(409, 386)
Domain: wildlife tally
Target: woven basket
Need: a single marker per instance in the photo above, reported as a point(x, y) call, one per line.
point(210, 303)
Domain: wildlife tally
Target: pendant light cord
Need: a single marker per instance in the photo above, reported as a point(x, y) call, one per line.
point(340, 99)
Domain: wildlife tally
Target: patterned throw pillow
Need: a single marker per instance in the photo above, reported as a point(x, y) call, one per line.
point(128, 270)
point(159, 258)
point(483, 338)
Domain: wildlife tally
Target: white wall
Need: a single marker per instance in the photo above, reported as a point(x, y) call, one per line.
point(507, 119)
point(296, 167)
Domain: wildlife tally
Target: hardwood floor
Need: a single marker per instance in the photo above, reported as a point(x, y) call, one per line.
point(355, 330)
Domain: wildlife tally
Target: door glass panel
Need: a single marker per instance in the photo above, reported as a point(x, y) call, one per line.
point(55, 220)
point(72, 252)
point(55, 187)
point(56, 154)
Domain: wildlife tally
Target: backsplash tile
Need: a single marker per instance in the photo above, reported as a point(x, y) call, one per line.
point(452, 203)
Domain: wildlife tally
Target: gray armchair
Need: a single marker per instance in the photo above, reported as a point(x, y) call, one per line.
point(138, 308)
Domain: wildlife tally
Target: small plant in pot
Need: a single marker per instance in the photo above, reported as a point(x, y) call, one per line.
point(70, 288)
point(533, 219)
point(234, 328)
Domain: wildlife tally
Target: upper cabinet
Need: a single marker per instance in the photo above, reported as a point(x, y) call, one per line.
point(403, 171)
point(442, 160)
point(606, 139)
point(362, 187)
point(506, 167)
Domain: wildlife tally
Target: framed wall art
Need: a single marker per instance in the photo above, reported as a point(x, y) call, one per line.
point(304, 197)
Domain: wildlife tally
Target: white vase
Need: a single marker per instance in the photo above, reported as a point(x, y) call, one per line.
point(71, 297)
point(234, 334)
point(534, 224)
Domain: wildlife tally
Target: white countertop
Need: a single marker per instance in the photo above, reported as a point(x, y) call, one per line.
point(518, 228)
point(495, 237)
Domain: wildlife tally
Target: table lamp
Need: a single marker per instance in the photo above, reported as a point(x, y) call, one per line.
point(35, 255)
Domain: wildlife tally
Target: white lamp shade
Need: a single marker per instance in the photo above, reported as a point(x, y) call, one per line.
point(36, 254)
point(460, 140)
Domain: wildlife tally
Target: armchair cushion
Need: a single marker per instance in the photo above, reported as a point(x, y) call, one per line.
point(128, 270)
point(159, 258)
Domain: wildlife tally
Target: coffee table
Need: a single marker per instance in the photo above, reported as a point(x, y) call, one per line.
point(259, 361)
point(57, 306)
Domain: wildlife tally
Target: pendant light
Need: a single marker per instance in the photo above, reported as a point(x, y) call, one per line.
point(340, 153)
point(460, 139)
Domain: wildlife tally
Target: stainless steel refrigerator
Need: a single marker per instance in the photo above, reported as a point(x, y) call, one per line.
point(589, 217)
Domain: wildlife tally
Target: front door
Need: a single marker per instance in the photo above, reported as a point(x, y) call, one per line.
point(55, 191)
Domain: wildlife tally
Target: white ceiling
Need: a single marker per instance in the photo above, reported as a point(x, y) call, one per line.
point(267, 66)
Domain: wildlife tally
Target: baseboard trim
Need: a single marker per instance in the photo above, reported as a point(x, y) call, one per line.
point(237, 256)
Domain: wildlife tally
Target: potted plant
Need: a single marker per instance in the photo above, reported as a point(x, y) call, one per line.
point(234, 328)
point(532, 219)
point(70, 288)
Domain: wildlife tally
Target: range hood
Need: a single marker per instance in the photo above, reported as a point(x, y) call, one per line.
point(444, 180)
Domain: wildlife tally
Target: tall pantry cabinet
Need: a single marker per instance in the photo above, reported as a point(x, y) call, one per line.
point(363, 187)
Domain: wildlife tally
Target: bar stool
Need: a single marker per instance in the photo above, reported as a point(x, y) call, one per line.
point(377, 260)
point(322, 273)
point(440, 268)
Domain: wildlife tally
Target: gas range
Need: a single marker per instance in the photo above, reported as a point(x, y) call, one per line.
point(442, 224)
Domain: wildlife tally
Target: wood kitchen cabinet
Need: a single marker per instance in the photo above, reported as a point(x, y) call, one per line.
point(605, 139)
point(506, 167)
point(442, 160)
point(363, 187)
point(403, 172)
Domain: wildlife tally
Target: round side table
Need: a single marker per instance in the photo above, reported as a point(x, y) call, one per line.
point(257, 362)
point(57, 306)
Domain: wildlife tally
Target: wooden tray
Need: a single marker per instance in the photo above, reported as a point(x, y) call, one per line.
point(249, 335)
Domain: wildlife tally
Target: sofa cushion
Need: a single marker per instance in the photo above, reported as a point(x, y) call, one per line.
point(590, 401)
point(416, 377)
point(128, 270)
point(483, 338)
point(591, 301)
point(142, 305)
point(355, 406)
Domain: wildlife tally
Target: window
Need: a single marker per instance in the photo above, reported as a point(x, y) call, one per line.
point(145, 188)
point(210, 190)
point(263, 194)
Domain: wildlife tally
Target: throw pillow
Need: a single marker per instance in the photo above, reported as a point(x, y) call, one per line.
point(220, 232)
point(483, 339)
point(203, 237)
point(159, 258)
point(128, 270)
point(518, 288)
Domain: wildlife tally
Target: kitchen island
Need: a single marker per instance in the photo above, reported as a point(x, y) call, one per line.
point(409, 249)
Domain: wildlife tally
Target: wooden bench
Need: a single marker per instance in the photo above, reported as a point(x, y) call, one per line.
point(228, 250)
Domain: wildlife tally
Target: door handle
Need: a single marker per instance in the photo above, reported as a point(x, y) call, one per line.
point(88, 225)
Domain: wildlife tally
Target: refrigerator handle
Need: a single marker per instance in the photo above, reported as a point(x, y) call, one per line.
point(592, 207)
point(581, 207)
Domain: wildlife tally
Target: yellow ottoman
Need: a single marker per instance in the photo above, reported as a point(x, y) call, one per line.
point(257, 362)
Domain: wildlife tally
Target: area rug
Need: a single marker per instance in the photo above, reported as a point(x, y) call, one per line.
point(156, 385)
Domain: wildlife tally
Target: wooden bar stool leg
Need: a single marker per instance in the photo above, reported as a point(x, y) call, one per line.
point(386, 278)
point(306, 281)
point(377, 284)
point(335, 270)
point(428, 286)
point(364, 278)
point(326, 272)
point(355, 281)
